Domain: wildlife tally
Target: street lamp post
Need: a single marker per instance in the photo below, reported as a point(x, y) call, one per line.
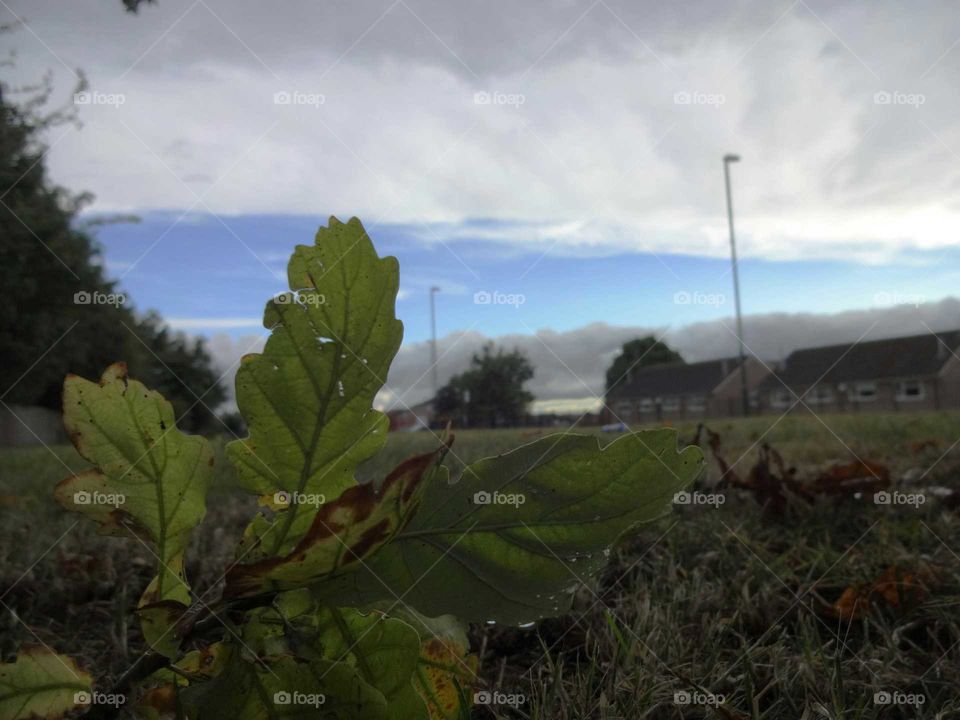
point(727, 159)
point(433, 338)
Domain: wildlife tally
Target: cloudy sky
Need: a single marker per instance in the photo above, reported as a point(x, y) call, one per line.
point(563, 155)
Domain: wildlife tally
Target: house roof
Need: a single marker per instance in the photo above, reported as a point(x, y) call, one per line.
point(911, 356)
point(676, 379)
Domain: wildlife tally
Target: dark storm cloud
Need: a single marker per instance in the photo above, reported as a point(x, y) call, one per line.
point(847, 122)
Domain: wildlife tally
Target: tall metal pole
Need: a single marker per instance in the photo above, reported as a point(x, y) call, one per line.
point(433, 341)
point(727, 159)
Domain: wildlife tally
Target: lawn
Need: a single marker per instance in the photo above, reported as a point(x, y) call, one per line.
point(709, 604)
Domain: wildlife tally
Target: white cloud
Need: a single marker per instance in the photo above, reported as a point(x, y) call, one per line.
point(573, 364)
point(599, 157)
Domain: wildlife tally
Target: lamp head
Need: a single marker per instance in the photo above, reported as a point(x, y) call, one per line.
point(731, 158)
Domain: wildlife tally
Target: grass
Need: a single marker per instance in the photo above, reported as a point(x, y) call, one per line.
point(727, 601)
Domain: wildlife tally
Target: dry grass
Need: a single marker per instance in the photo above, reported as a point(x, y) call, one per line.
point(708, 600)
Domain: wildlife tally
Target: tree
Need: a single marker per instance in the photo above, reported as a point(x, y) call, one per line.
point(182, 369)
point(640, 352)
point(490, 393)
point(60, 313)
point(45, 263)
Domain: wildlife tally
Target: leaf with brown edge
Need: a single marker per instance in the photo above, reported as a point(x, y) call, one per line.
point(149, 480)
point(205, 662)
point(307, 398)
point(343, 532)
point(445, 676)
point(42, 684)
point(196, 666)
point(159, 701)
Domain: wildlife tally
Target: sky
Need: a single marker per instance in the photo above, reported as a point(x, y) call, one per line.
point(559, 159)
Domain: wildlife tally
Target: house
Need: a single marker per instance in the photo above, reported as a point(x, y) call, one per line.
point(682, 391)
point(411, 419)
point(920, 372)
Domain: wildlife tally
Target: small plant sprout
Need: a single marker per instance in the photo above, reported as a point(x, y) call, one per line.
point(345, 599)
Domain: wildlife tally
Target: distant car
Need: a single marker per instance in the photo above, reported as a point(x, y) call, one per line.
point(615, 427)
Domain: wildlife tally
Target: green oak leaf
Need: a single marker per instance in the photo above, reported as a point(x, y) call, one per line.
point(307, 397)
point(446, 671)
point(284, 687)
point(149, 481)
point(516, 534)
point(42, 684)
point(384, 650)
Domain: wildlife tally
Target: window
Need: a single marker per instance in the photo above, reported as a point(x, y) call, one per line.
point(863, 391)
point(781, 398)
point(910, 391)
point(697, 403)
point(671, 404)
point(819, 394)
point(645, 406)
